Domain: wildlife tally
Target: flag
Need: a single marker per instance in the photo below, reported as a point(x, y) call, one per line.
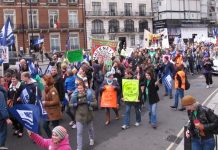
point(32, 68)
point(167, 80)
point(38, 41)
point(7, 36)
point(27, 115)
point(74, 56)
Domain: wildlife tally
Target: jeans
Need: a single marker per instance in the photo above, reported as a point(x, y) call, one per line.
point(207, 144)
point(127, 113)
point(75, 95)
point(70, 113)
point(80, 126)
point(3, 132)
point(153, 114)
point(47, 128)
point(178, 93)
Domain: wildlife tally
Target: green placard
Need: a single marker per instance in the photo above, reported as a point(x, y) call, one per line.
point(130, 90)
point(74, 56)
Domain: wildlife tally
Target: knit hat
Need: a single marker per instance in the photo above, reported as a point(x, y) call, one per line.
point(108, 74)
point(60, 131)
point(188, 100)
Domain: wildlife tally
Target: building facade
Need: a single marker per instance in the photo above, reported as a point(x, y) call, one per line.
point(118, 20)
point(59, 22)
point(185, 18)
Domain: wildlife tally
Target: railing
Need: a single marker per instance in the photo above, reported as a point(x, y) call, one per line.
point(117, 13)
point(98, 31)
point(122, 30)
point(48, 26)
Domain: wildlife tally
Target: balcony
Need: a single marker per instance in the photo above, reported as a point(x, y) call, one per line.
point(123, 30)
point(98, 31)
point(61, 26)
point(118, 13)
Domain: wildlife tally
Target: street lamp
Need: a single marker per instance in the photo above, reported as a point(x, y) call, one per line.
point(31, 24)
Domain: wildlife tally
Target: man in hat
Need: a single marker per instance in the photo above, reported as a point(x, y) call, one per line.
point(201, 125)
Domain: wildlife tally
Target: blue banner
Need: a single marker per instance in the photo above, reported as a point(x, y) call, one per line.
point(27, 115)
point(167, 80)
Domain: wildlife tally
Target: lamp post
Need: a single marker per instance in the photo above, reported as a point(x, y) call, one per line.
point(31, 24)
point(24, 47)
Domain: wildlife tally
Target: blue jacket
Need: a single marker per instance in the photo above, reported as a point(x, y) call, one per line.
point(70, 83)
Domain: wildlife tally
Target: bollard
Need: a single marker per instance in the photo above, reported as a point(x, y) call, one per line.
point(187, 141)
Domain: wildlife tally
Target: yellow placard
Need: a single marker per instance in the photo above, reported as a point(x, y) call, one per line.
point(130, 90)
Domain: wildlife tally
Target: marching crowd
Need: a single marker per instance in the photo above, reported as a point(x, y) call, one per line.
point(76, 88)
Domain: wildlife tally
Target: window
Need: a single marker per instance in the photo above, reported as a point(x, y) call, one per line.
point(73, 19)
point(55, 42)
point(31, 39)
point(32, 1)
point(132, 38)
point(96, 6)
point(113, 26)
point(129, 26)
point(112, 37)
point(143, 24)
point(74, 41)
point(11, 14)
point(53, 1)
point(8, 1)
point(142, 9)
point(97, 27)
point(53, 18)
point(73, 1)
point(112, 9)
point(35, 19)
point(128, 9)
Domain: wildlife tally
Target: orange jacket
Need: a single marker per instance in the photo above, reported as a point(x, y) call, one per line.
point(180, 80)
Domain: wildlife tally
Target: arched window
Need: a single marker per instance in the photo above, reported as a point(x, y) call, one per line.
point(129, 26)
point(143, 24)
point(97, 27)
point(113, 26)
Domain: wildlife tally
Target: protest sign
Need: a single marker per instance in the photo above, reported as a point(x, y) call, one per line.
point(4, 54)
point(74, 56)
point(103, 49)
point(130, 90)
point(109, 97)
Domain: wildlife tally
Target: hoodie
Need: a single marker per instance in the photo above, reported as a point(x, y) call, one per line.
point(49, 145)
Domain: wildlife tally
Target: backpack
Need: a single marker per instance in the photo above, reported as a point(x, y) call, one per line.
point(187, 84)
point(215, 130)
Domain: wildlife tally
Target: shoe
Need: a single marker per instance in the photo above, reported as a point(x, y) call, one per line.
point(73, 126)
point(173, 107)
point(3, 147)
point(154, 126)
point(165, 94)
point(15, 132)
point(20, 134)
point(71, 123)
point(207, 86)
point(171, 97)
point(107, 123)
point(181, 109)
point(117, 117)
point(211, 86)
point(137, 124)
point(91, 142)
point(124, 127)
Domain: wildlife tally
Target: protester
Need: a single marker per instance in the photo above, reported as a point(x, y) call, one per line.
point(52, 105)
point(207, 65)
point(126, 121)
point(84, 115)
point(14, 93)
point(149, 88)
point(4, 119)
point(202, 122)
point(180, 87)
point(59, 139)
point(111, 82)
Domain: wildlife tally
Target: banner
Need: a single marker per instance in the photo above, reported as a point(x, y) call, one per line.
point(167, 80)
point(103, 49)
point(109, 97)
point(159, 40)
point(130, 90)
point(27, 115)
point(127, 52)
point(74, 56)
point(4, 54)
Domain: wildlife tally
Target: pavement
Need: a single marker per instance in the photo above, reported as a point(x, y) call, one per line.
point(211, 102)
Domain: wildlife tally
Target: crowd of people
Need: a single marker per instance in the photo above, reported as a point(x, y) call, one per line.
point(76, 88)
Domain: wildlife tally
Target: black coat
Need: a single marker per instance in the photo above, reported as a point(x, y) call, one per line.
point(152, 91)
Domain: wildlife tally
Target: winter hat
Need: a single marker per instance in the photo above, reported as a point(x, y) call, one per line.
point(188, 100)
point(60, 131)
point(108, 74)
